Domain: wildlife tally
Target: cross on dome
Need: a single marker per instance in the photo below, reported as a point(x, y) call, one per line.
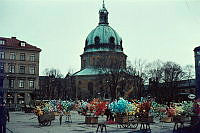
point(103, 4)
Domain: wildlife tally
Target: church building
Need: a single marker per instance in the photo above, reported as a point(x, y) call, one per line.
point(102, 43)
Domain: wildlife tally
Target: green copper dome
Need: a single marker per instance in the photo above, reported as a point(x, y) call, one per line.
point(103, 37)
point(105, 33)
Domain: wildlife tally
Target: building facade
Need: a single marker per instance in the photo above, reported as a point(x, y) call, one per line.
point(19, 70)
point(197, 70)
point(103, 47)
point(180, 91)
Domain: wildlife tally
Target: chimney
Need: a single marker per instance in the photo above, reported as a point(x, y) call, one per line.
point(13, 37)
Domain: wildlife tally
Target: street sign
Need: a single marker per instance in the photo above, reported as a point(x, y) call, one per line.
point(191, 96)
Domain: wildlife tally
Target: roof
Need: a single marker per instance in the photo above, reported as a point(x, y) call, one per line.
point(104, 32)
point(87, 71)
point(196, 48)
point(13, 42)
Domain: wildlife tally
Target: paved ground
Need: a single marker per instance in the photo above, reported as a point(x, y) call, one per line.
point(26, 123)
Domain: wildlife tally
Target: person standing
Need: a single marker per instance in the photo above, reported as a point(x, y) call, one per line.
point(4, 117)
point(61, 114)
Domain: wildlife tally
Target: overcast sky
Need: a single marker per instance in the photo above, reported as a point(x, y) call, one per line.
point(168, 30)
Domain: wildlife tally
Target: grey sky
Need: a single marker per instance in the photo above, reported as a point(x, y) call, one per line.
point(150, 29)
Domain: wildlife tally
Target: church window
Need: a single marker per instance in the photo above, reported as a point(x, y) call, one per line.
point(84, 63)
point(94, 61)
point(96, 40)
point(91, 89)
point(121, 43)
point(112, 40)
point(86, 42)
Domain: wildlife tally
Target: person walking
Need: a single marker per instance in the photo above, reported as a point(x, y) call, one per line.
point(4, 117)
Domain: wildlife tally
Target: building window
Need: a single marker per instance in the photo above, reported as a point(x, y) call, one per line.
point(83, 63)
point(97, 40)
point(32, 70)
point(21, 69)
point(1, 67)
point(11, 83)
point(94, 61)
point(32, 57)
point(2, 55)
point(11, 69)
point(22, 56)
point(23, 44)
point(21, 83)
point(1, 82)
point(2, 42)
point(86, 42)
point(112, 40)
point(12, 56)
point(31, 84)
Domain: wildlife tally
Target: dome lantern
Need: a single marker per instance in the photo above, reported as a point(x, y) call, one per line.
point(103, 15)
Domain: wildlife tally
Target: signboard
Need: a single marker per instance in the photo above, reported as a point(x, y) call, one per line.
point(191, 96)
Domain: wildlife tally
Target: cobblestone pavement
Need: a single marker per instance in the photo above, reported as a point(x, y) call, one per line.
point(28, 123)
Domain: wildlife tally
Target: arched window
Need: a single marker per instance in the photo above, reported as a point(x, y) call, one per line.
point(86, 42)
point(96, 40)
point(90, 88)
point(121, 43)
point(94, 61)
point(112, 40)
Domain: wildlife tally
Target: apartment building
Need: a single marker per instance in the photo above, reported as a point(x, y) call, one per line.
point(19, 70)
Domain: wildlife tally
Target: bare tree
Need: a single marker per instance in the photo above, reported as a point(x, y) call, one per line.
point(53, 72)
point(188, 72)
point(139, 66)
point(52, 84)
point(111, 70)
point(135, 78)
point(172, 73)
point(154, 70)
point(164, 78)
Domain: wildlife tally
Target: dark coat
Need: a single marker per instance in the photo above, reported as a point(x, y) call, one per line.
point(4, 115)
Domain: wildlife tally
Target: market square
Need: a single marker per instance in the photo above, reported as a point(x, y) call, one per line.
point(99, 66)
point(26, 124)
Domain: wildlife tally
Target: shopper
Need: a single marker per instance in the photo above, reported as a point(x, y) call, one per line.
point(4, 117)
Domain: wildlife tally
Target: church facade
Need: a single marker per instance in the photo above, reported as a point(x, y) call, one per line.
point(103, 48)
